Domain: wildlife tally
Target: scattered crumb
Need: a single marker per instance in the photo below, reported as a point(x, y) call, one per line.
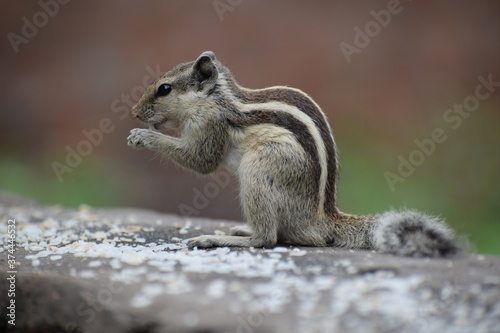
point(216, 288)
point(281, 249)
point(94, 263)
point(87, 274)
point(140, 301)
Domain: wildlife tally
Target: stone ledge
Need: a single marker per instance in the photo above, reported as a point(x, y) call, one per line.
point(127, 270)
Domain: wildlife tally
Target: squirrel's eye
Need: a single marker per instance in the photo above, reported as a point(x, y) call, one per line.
point(163, 90)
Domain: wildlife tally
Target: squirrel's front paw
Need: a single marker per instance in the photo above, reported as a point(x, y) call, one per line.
point(141, 138)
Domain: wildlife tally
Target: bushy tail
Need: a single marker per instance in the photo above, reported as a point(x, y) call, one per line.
point(411, 233)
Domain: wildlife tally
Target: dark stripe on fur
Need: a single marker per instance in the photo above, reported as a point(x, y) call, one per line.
point(288, 121)
point(303, 103)
point(443, 246)
point(213, 89)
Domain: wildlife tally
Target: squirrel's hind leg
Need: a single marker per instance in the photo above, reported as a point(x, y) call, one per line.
point(241, 230)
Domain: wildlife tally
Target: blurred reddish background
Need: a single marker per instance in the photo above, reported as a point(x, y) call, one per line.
point(81, 63)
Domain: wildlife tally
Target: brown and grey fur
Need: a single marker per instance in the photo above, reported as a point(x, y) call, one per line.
point(279, 145)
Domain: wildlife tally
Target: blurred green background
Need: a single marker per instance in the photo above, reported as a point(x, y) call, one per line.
point(91, 57)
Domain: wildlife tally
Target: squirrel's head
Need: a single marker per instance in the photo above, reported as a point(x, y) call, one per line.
point(184, 89)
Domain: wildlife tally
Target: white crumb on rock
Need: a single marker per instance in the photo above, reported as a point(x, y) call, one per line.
point(94, 263)
point(216, 288)
point(296, 252)
point(87, 274)
point(280, 249)
point(140, 301)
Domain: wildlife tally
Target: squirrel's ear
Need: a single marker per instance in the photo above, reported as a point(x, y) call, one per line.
point(204, 68)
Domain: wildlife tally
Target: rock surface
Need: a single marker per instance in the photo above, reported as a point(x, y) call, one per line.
point(127, 270)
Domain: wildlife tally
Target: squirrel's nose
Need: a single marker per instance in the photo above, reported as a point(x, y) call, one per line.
point(134, 112)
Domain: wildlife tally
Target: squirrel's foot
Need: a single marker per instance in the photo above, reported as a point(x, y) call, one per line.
point(207, 241)
point(203, 242)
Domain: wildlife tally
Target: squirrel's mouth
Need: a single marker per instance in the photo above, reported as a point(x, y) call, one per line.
point(164, 126)
point(157, 126)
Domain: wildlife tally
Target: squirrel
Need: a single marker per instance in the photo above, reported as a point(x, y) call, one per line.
point(279, 145)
